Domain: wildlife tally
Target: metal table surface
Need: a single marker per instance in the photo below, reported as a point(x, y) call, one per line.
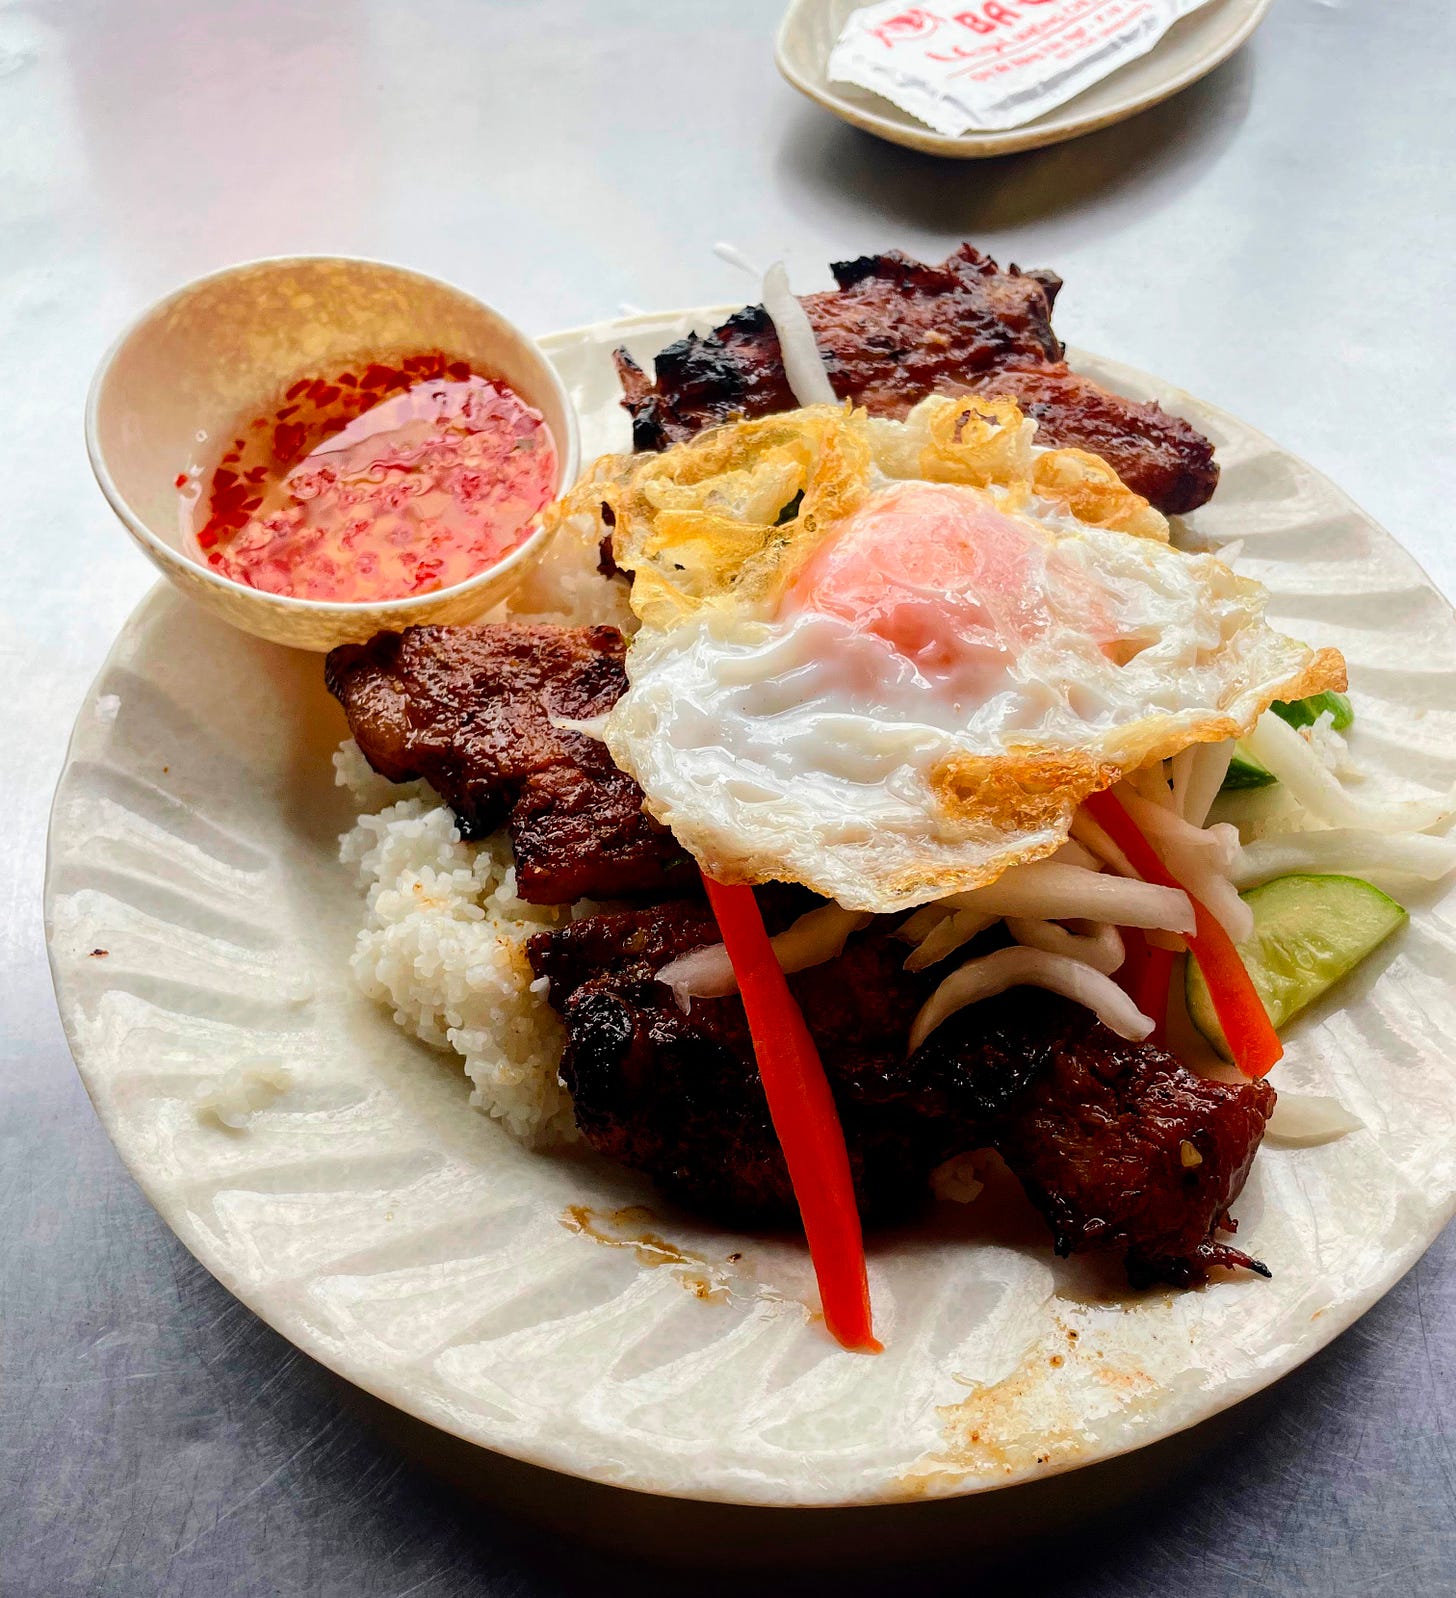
point(1278, 239)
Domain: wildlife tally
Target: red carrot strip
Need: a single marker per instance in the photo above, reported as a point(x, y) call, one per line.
point(804, 1118)
point(1251, 1036)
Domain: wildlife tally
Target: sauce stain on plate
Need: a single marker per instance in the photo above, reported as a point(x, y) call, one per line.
point(711, 1281)
point(1049, 1411)
point(626, 1228)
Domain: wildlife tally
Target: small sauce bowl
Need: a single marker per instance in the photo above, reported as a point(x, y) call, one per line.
point(215, 350)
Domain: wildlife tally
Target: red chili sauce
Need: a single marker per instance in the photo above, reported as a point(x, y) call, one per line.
point(396, 480)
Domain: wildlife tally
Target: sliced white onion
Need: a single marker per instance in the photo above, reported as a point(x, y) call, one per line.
point(1051, 891)
point(1347, 850)
point(922, 921)
point(1209, 767)
point(818, 936)
point(735, 257)
point(591, 727)
point(1181, 768)
point(1303, 1120)
point(956, 930)
point(1201, 858)
point(1217, 893)
point(1151, 782)
point(1257, 811)
point(1101, 948)
point(1072, 853)
point(1217, 846)
point(702, 973)
point(814, 938)
point(1277, 745)
point(1087, 832)
point(1016, 967)
point(803, 363)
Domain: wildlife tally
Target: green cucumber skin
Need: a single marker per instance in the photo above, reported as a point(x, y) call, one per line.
point(1305, 712)
point(1367, 896)
point(1244, 773)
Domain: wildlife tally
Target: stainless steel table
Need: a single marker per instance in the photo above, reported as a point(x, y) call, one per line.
point(1279, 239)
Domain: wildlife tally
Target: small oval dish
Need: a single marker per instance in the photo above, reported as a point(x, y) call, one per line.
point(213, 351)
point(1191, 48)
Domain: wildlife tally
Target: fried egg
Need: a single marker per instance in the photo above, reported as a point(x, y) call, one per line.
point(888, 660)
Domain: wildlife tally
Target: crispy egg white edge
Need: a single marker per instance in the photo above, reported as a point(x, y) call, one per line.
point(887, 845)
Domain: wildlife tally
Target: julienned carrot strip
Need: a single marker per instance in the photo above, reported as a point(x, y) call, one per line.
point(1151, 993)
point(804, 1117)
point(1129, 975)
point(1144, 976)
point(1251, 1036)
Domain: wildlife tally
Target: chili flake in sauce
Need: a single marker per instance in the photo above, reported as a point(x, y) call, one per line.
point(395, 480)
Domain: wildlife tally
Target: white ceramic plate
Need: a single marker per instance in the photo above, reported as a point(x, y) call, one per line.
point(198, 921)
point(1189, 50)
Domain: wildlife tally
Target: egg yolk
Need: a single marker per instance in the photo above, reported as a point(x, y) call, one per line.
point(935, 571)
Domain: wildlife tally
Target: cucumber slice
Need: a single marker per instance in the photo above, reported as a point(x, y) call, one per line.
point(1309, 932)
point(1305, 712)
point(1246, 772)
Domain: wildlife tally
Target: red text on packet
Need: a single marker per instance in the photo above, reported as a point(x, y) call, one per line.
point(906, 26)
point(987, 18)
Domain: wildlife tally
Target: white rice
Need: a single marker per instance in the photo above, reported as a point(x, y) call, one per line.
point(240, 1093)
point(443, 940)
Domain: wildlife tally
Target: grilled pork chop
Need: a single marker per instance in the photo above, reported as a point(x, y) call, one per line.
point(1118, 1144)
point(897, 329)
point(680, 1098)
point(473, 710)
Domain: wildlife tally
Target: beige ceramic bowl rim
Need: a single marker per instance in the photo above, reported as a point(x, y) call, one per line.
point(165, 555)
point(1056, 127)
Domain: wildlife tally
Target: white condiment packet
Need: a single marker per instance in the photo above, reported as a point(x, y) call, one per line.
point(989, 65)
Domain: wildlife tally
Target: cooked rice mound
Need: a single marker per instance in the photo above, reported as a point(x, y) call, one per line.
point(443, 944)
point(443, 941)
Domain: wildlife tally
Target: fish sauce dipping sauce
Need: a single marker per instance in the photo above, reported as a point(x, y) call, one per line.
point(396, 479)
point(320, 448)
